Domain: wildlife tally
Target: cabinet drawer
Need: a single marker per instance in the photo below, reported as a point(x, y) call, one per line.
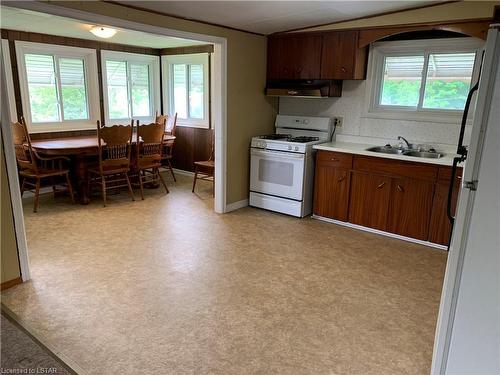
point(334, 159)
point(396, 168)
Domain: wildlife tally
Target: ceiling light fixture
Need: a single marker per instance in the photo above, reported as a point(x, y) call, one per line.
point(102, 31)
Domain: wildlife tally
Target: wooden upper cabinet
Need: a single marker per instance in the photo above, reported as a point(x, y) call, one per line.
point(410, 207)
point(341, 58)
point(294, 57)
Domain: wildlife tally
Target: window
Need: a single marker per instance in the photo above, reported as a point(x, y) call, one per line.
point(58, 86)
point(187, 81)
point(424, 78)
point(131, 86)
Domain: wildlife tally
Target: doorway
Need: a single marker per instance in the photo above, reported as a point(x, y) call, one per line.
point(218, 106)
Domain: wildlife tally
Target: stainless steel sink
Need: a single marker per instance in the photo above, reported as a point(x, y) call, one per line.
point(423, 154)
point(386, 150)
point(400, 151)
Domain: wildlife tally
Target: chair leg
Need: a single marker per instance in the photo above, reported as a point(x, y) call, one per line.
point(162, 180)
point(140, 184)
point(37, 195)
point(171, 170)
point(130, 186)
point(195, 178)
point(53, 186)
point(103, 189)
point(22, 186)
point(70, 188)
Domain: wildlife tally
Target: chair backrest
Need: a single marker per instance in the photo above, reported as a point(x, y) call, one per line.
point(25, 156)
point(150, 143)
point(160, 119)
point(115, 144)
point(171, 124)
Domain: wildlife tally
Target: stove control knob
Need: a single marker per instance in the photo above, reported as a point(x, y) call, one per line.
point(263, 144)
point(296, 148)
point(290, 147)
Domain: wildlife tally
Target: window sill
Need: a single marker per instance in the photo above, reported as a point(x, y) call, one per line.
point(193, 125)
point(36, 129)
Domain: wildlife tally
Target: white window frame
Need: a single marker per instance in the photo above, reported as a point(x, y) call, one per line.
point(378, 52)
point(168, 99)
point(91, 84)
point(154, 83)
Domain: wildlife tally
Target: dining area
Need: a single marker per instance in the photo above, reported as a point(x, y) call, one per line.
point(118, 157)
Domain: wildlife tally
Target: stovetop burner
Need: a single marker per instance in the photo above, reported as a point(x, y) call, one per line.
point(275, 136)
point(303, 139)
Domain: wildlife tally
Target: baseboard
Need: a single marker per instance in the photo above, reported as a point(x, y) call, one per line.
point(183, 172)
point(236, 205)
point(11, 283)
point(43, 190)
point(381, 232)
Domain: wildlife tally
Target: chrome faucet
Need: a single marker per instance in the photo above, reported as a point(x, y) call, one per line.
point(408, 144)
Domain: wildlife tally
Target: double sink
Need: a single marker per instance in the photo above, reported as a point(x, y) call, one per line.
point(388, 149)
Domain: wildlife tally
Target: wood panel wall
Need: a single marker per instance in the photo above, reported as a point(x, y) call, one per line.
point(192, 144)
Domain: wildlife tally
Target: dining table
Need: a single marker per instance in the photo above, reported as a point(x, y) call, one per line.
point(80, 150)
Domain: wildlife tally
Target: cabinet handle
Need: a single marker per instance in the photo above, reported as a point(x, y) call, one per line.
point(341, 179)
point(343, 70)
point(381, 185)
point(400, 188)
point(334, 159)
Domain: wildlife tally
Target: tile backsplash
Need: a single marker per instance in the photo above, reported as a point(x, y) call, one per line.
point(357, 127)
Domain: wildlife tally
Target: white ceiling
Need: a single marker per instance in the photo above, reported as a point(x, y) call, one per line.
point(27, 20)
point(267, 17)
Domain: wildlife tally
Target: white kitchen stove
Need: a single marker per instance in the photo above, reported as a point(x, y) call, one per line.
point(282, 164)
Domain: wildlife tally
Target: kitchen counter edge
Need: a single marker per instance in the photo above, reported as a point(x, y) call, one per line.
point(361, 149)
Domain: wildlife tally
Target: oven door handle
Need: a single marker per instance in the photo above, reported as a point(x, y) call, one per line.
point(281, 154)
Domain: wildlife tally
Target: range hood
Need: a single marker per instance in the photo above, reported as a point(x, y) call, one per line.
point(304, 88)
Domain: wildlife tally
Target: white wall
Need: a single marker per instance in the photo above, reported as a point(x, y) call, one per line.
point(361, 129)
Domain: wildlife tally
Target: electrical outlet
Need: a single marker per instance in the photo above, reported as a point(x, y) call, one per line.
point(338, 121)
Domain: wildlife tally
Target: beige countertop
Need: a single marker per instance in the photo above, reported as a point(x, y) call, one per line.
point(361, 149)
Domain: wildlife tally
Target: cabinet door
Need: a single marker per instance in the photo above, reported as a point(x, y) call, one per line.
point(410, 207)
point(331, 192)
point(294, 57)
point(341, 58)
point(440, 226)
point(369, 200)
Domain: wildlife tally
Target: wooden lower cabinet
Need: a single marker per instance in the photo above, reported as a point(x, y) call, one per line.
point(440, 226)
point(331, 193)
point(405, 198)
point(369, 200)
point(410, 207)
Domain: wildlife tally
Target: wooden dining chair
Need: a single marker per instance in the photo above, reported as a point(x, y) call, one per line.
point(34, 168)
point(149, 154)
point(205, 170)
point(115, 145)
point(168, 145)
point(160, 119)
